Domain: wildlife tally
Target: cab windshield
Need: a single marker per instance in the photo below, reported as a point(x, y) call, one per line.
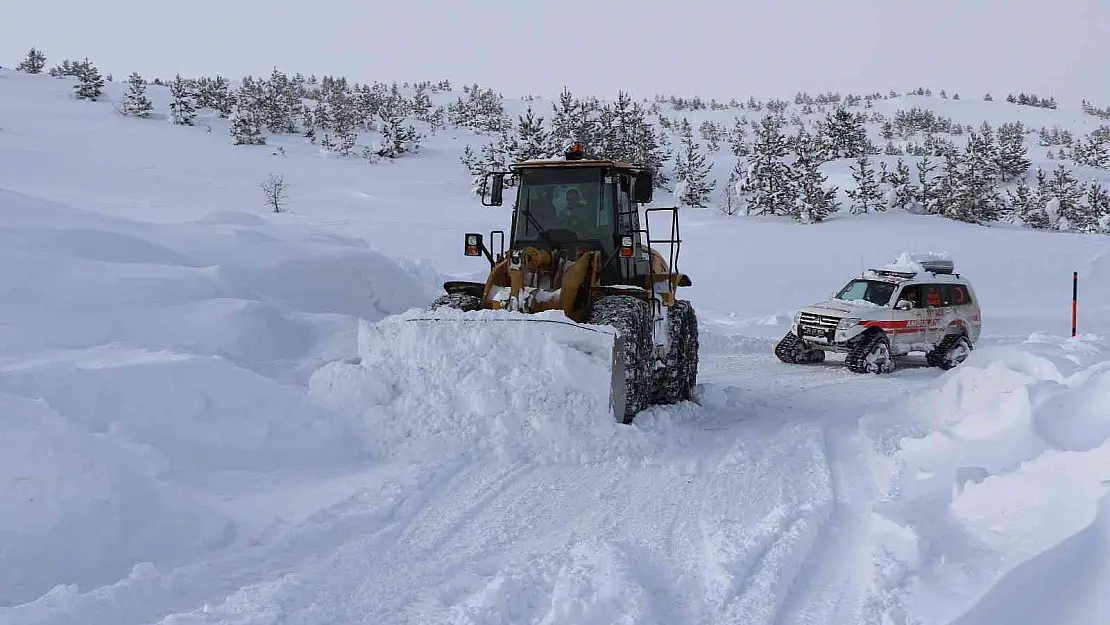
point(565, 204)
point(873, 292)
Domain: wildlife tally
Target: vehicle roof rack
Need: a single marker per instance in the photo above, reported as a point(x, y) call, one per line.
point(938, 266)
point(894, 273)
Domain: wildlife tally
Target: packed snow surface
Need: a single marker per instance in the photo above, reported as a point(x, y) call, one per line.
point(216, 415)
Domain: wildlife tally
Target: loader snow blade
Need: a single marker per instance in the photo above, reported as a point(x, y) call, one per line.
point(538, 363)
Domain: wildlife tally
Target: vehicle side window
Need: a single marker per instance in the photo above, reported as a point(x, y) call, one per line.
point(627, 221)
point(934, 295)
point(957, 295)
point(913, 294)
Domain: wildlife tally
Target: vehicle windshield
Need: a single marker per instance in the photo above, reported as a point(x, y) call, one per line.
point(566, 204)
point(871, 291)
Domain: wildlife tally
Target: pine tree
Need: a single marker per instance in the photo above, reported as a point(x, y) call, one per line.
point(1011, 157)
point(246, 119)
point(1019, 203)
point(1065, 193)
point(532, 139)
point(711, 134)
point(421, 102)
point(1097, 209)
point(282, 103)
point(649, 147)
point(976, 200)
point(731, 203)
point(738, 139)
point(845, 135)
point(813, 202)
point(946, 192)
point(769, 181)
point(89, 81)
point(927, 196)
point(905, 193)
point(33, 63)
point(692, 171)
point(621, 127)
point(988, 150)
point(1091, 152)
point(183, 107)
point(217, 96)
point(866, 196)
point(397, 138)
point(477, 170)
point(1037, 215)
point(343, 123)
point(135, 101)
point(567, 123)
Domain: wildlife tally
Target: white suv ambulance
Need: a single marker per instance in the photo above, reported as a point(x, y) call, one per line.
point(917, 304)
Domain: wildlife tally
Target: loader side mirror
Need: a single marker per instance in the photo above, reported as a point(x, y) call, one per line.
point(494, 182)
point(684, 280)
point(473, 244)
point(643, 187)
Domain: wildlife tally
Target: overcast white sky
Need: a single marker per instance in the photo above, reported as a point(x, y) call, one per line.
point(715, 49)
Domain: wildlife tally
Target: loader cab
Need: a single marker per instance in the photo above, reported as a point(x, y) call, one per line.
point(579, 204)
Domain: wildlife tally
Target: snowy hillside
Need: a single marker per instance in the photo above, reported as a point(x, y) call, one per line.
point(217, 413)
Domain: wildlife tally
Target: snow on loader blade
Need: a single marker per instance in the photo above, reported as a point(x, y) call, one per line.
point(496, 362)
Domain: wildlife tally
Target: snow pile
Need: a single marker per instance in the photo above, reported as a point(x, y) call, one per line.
point(138, 361)
point(915, 262)
point(1001, 462)
point(198, 412)
point(82, 508)
point(487, 382)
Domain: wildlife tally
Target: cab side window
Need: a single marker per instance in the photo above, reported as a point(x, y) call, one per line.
point(934, 295)
point(957, 295)
point(627, 221)
point(913, 294)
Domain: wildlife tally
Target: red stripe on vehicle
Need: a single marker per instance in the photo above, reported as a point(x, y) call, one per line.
point(885, 325)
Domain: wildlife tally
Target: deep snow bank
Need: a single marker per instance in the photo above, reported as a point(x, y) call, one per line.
point(199, 413)
point(82, 508)
point(138, 361)
point(485, 381)
point(1006, 458)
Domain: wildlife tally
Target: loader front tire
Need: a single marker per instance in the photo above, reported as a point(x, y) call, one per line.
point(678, 372)
point(631, 316)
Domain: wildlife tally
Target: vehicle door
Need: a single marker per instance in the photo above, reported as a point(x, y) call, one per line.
point(911, 326)
point(961, 312)
point(936, 313)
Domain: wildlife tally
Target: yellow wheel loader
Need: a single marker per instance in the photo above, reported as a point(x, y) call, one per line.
point(577, 244)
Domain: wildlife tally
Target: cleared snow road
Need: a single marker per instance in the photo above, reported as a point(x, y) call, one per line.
point(753, 513)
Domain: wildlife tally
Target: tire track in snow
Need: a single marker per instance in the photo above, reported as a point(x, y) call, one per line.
point(741, 519)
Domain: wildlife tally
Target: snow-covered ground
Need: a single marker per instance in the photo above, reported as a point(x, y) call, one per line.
point(216, 414)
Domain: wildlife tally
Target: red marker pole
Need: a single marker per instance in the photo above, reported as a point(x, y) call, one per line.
point(1074, 298)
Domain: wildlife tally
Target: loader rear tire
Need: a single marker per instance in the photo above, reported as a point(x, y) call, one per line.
point(678, 372)
point(631, 316)
point(461, 301)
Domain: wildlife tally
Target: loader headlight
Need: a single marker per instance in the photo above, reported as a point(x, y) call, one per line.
point(473, 244)
point(626, 247)
point(797, 318)
point(847, 322)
